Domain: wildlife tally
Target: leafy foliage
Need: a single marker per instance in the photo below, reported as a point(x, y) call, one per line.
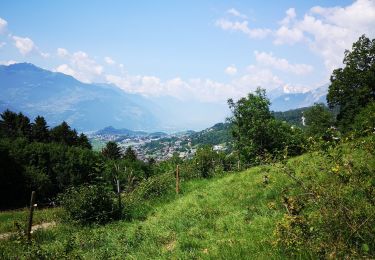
point(39, 130)
point(293, 116)
point(257, 133)
point(205, 161)
point(330, 213)
point(112, 151)
point(318, 119)
point(364, 122)
point(47, 168)
point(218, 134)
point(89, 204)
point(130, 154)
point(353, 87)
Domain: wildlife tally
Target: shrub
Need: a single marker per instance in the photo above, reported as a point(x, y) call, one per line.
point(155, 186)
point(137, 202)
point(89, 204)
point(364, 122)
point(330, 213)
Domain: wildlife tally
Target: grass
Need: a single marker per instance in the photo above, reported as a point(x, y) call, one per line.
point(232, 216)
point(9, 218)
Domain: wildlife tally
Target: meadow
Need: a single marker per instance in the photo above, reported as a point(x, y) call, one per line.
point(230, 216)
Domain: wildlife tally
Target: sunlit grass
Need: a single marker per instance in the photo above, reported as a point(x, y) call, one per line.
point(231, 216)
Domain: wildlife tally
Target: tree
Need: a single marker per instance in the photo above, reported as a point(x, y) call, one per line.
point(257, 133)
point(15, 125)
point(112, 151)
point(318, 119)
point(12, 180)
point(39, 130)
point(83, 141)
point(130, 154)
point(63, 134)
point(8, 123)
point(205, 161)
point(23, 126)
point(251, 116)
point(353, 87)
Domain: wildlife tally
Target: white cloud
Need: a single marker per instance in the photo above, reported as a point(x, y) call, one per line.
point(9, 62)
point(290, 16)
point(3, 25)
point(64, 68)
point(109, 60)
point(242, 27)
point(286, 35)
point(2, 44)
point(206, 90)
point(61, 52)
point(259, 77)
point(45, 54)
point(80, 66)
point(236, 13)
point(231, 70)
point(268, 59)
point(24, 45)
point(329, 31)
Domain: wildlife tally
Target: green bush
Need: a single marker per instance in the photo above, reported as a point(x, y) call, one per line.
point(136, 204)
point(155, 186)
point(364, 122)
point(330, 213)
point(89, 204)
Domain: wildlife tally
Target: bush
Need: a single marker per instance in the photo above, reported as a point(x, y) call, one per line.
point(137, 202)
point(89, 204)
point(155, 186)
point(364, 122)
point(330, 213)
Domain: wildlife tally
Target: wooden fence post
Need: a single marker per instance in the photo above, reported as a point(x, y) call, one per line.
point(119, 194)
point(32, 201)
point(177, 180)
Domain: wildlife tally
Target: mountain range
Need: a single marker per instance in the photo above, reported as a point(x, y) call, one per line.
point(110, 130)
point(34, 91)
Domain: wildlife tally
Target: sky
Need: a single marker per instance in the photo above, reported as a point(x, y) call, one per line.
point(206, 51)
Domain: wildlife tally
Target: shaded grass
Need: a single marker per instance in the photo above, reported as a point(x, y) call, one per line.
point(9, 218)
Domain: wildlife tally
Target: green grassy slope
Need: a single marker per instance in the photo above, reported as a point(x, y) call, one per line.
point(9, 218)
point(233, 216)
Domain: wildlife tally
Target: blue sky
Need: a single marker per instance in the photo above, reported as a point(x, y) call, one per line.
point(203, 50)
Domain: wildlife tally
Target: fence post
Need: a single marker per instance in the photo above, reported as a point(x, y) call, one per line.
point(32, 201)
point(238, 165)
point(177, 180)
point(119, 195)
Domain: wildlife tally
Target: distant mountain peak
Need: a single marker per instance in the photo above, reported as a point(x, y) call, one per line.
point(22, 66)
point(34, 91)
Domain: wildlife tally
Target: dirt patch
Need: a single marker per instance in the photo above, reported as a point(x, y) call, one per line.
point(34, 228)
point(170, 246)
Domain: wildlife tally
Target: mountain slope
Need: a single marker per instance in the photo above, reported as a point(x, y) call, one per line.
point(288, 101)
point(87, 107)
point(32, 90)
